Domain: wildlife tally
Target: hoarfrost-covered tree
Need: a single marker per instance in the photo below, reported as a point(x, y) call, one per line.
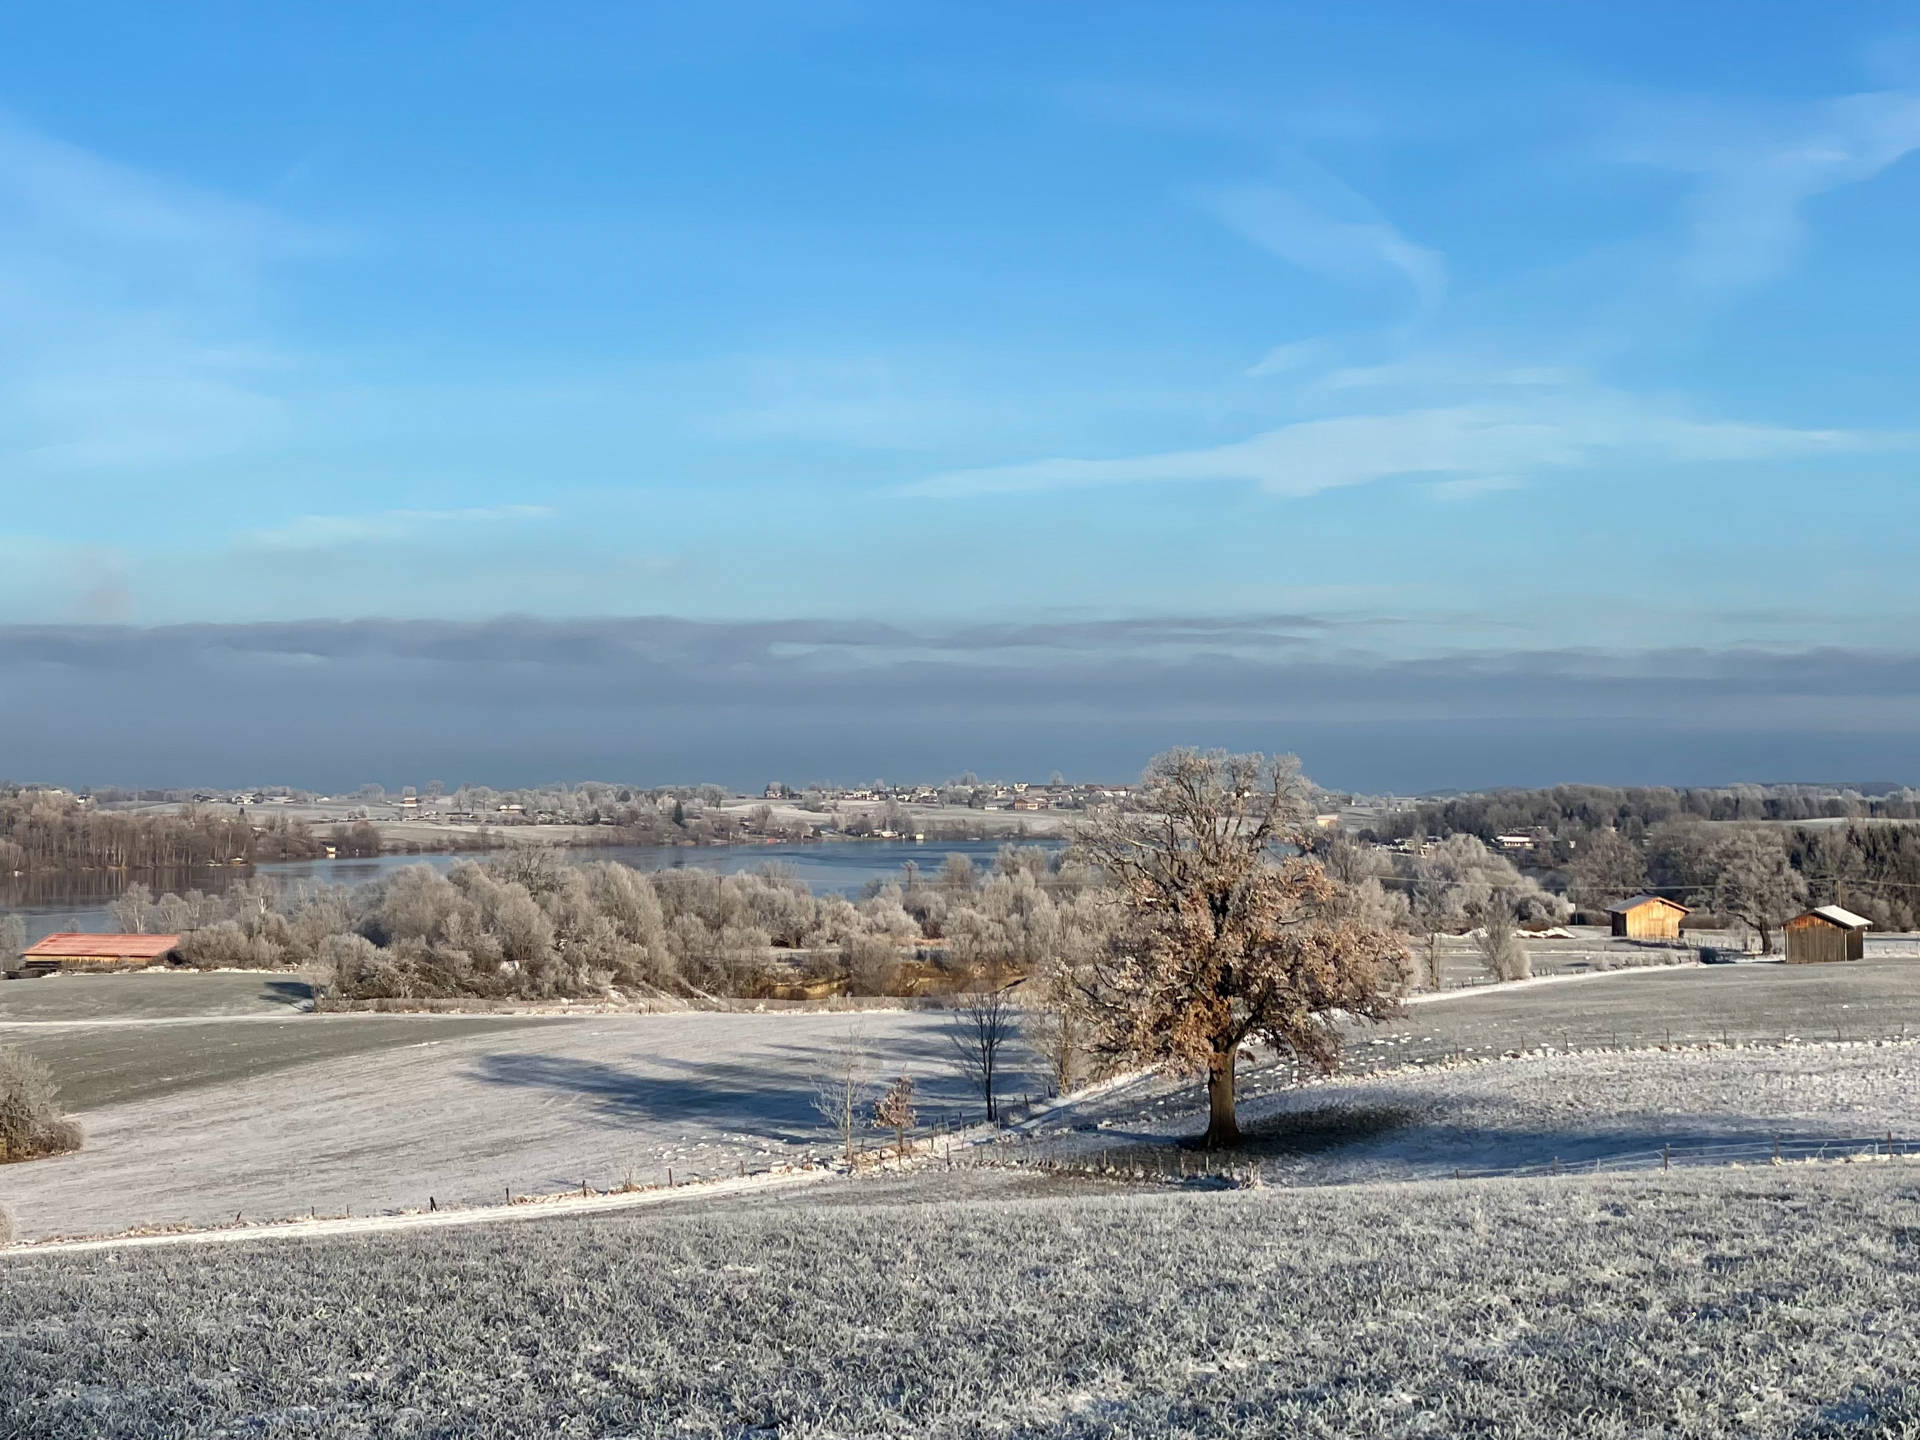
point(1755, 882)
point(840, 1092)
point(1226, 938)
point(894, 1111)
point(133, 909)
point(1607, 867)
point(31, 1121)
point(1499, 941)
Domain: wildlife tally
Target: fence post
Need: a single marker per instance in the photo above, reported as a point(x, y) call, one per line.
point(1666, 1157)
point(1776, 1149)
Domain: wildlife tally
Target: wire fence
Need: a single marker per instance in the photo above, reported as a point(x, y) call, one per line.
point(1178, 1164)
point(1776, 1150)
point(1365, 1054)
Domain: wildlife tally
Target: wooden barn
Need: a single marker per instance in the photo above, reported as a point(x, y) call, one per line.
point(69, 951)
point(1826, 934)
point(1647, 917)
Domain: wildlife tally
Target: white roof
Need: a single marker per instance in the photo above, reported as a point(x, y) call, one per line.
point(1844, 918)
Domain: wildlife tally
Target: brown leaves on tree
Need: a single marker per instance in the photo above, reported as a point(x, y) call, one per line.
point(1227, 936)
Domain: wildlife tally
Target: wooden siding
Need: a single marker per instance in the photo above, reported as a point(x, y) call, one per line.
point(1813, 941)
point(1656, 920)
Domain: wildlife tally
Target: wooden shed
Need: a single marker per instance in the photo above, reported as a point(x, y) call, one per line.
point(69, 951)
point(1647, 917)
point(1826, 934)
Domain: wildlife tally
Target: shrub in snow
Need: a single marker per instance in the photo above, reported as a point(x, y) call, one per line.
point(31, 1121)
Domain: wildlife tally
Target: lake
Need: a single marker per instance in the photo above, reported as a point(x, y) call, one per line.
point(53, 903)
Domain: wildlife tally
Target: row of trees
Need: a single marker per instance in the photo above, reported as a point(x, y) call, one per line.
point(528, 924)
point(1572, 811)
point(42, 830)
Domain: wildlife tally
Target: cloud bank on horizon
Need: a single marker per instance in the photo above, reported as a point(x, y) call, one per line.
point(331, 704)
point(1457, 334)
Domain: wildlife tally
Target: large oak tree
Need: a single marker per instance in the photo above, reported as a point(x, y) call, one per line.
point(1231, 932)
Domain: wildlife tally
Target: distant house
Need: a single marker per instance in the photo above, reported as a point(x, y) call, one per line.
point(1514, 842)
point(1647, 917)
point(68, 951)
point(1826, 934)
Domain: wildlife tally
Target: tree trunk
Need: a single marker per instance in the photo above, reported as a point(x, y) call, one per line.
point(1223, 1126)
point(1766, 938)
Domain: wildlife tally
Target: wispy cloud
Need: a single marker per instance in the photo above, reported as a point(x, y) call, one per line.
point(1290, 359)
point(130, 332)
point(1756, 170)
point(1358, 246)
point(321, 532)
point(1489, 441)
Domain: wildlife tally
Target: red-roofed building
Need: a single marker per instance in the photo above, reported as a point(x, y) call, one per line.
point(70, 951)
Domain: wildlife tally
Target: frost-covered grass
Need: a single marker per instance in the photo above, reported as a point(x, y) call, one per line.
point(1639, 1009)
point(150, 994)
point(1730, 1303)
point(1871, 998)
point(459, 1112)
point(118, 1062)
point(1540, 1108)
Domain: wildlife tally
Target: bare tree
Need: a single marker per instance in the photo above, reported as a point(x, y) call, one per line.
point(1224, 940)
point(840, 1092)
point(1499, 941)
point(894, 1111)
point(1756, 883)
point(1057, 1034)
point(1607, 867)
point(984, 1023)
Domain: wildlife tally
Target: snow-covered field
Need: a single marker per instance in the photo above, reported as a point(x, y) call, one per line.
point(463, 1117)
point(1005, 1303)
point(267, 1116)
point(1752, 1303)
point(1543, 1107)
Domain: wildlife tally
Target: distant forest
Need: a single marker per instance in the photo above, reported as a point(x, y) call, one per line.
point(1574, 810)
point(41, 830)
point(50, 830)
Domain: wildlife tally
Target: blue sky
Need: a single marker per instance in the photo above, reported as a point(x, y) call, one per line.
point(1407, 333)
